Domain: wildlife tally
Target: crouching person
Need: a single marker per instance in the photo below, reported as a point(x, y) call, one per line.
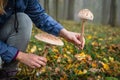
point(16, 18)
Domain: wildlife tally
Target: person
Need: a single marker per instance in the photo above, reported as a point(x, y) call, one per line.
point(16, 18)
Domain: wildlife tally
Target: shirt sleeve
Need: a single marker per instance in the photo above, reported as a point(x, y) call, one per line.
point(7, 53)
point(41, 19)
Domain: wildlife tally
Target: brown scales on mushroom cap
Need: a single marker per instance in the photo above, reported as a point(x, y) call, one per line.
point(50, 39)
point(85, 14)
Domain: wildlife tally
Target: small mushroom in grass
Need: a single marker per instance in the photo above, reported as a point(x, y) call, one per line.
point(49, 40)
point(84, 15)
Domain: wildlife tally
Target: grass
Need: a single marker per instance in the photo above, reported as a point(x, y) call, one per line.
point(100, 59)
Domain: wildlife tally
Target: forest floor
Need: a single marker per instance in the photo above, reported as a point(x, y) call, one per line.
point(99, 60)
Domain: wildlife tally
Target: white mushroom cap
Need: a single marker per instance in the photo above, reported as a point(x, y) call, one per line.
point(50, 39)
point(85, 14)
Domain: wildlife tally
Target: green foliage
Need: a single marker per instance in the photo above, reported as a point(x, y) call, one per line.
point(110, 78)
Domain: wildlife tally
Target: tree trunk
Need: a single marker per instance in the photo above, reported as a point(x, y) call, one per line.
point(105, 11)
point(46, 5)
point(56, 9)
point(71, 9)
point(112, 19)
point(65, 13)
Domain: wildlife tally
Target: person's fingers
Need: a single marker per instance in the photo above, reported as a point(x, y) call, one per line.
point(42, 59)
point(36, 61)
point(41, 62)
point(76, 41)
point(32, 66)
point(36, 64)
point(81, 46)
point(78, 35)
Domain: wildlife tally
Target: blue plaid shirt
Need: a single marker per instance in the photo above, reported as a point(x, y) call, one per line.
point(34, 10)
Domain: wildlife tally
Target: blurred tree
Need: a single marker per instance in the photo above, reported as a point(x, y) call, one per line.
point(65, 10)
point(71, 4)
point(105, 11)
point(112, 19)
point(46, 5)
point(56, 8)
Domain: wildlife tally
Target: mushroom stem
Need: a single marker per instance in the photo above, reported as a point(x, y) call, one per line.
point(46, 50)
point(82, 30)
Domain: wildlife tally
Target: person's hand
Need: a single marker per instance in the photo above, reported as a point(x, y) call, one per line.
point(73, 37)
point(31, 60)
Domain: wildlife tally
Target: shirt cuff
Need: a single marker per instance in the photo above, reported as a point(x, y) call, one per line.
point(15, 55)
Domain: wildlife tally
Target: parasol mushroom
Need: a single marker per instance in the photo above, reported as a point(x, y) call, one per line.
point(85, 15)
point(49, 40)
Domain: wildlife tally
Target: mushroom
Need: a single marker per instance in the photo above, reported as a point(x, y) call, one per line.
point(49, 40)
point(85, 14)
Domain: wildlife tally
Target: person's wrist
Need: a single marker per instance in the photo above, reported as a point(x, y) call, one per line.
point(20, 56)
point(63, 33)
point(16, 55)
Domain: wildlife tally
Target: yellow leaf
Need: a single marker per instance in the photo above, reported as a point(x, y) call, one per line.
point(33, 49)
point(40, 49)
point(88, 57)
point(55, 50)
point(101, 39)
point(80, 56)
point(80, 72)
point(94, 65)
point(84, 71)
point(95, 44)
point(105, 66)
point(42, 70)
point(59, 59)
point(89, 37)
point(94, 70)
point(111, 59)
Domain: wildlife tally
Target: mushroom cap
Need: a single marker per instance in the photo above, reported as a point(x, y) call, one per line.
point(86, 14)
point(49, 39)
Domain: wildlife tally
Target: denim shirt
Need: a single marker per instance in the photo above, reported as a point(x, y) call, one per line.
point(37, 14)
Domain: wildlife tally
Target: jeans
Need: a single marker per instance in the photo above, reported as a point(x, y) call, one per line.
point(19, 40)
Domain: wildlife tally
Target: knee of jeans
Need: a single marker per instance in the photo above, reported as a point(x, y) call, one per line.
point(25, 24)
point(24, 18)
